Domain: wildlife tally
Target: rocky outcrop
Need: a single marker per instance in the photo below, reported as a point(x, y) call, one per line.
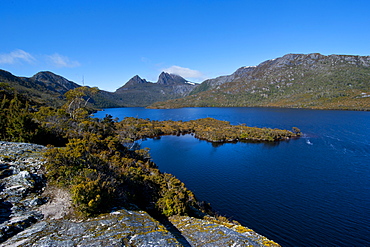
point(119, 228)
point(31, 217)
point(137, 228)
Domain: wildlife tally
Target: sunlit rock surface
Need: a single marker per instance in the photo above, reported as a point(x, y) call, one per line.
point(210, 232)
point(120, 228)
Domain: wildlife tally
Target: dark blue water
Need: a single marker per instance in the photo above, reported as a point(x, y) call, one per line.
point(312, 191)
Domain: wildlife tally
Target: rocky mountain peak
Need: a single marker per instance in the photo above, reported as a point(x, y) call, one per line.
point(136, 80)
point(170, 79)
point(132, 83)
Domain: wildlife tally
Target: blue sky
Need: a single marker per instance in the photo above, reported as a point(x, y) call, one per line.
point(108, 42)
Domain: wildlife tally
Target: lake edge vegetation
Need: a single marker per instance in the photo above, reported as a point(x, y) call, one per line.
point(96, 159)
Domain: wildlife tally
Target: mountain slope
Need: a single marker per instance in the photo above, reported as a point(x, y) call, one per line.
point(139, 92)
point(54, 82)
point(47, 88)
point(43, 88)
point(294, 80)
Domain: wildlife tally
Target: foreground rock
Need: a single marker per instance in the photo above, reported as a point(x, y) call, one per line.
point(21, 186)
point(211, 232)
point(120, 228)
point(136, 228)
point(30, 216)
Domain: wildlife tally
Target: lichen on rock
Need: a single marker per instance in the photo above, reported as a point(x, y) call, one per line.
point(119, 228)
point(211, 232)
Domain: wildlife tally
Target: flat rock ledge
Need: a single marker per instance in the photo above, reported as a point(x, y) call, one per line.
point(28, 218)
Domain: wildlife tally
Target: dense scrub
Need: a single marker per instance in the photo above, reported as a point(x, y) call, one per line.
point(92, 161)
point(102, 174)
point(16, 123)
point(96, 159)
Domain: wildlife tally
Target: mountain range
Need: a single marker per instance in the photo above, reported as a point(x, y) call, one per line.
point(49, 89)
point(294, 81)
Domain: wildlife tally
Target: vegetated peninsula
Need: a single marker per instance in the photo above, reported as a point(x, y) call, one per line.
point(95, 182)
point(294, 81)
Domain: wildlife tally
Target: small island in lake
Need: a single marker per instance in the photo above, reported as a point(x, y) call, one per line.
point(208, 129)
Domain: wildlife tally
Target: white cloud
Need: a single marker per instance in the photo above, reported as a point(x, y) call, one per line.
point(16, 56)
point(185, 72)
point(62, 61)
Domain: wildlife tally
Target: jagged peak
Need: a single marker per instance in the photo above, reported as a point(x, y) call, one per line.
point(136, 80)
point(167, 78)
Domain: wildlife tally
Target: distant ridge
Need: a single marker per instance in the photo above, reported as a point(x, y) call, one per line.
point(294, 80)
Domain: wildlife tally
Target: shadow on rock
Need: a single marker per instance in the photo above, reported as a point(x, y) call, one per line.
point(172, 229)
point(175, 232)
point(5, 211)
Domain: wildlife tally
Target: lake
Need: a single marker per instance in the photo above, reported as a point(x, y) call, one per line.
point(311, 191)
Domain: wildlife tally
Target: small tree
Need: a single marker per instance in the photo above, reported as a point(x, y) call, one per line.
point(77, 100)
